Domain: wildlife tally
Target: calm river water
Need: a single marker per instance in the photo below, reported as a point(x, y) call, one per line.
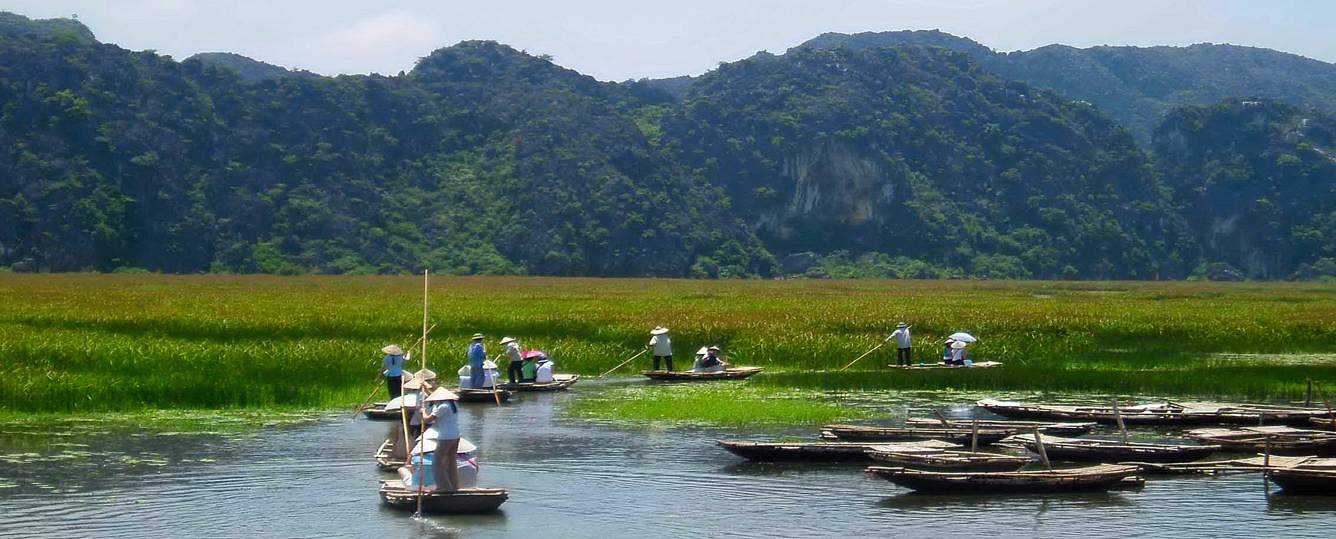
point(566, 478)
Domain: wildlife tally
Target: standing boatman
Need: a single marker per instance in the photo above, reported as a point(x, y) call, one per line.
point(515, 371)
point(902, 344)
point(393, 369)
point(662, 347)
point(477, 355)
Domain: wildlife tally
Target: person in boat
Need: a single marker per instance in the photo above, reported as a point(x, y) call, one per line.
point(662, 347)
point(710, 362)
point(409, 401)
point(531, 359)
point(441, 411)
point(902, 344)
point(515, 370)
point(393, 369)
point(477, 354)
point(543, 370)
point(958, 353)
point(946, 352)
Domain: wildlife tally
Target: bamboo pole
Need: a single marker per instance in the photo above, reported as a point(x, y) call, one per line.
point(865, 354)
point(1043, 455)
point(422, 397)
point(628, 360)
point(1118, 416)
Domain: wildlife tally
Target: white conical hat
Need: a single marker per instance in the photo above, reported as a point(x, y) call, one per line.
point(442, 394)
point(465, 446)
point(660, 330)
point(393, 350)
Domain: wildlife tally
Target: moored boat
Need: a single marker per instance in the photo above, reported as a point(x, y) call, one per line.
point(1309, 476)
point(395, 494)
point(961, 436)
point(559, 382)
point(731, 373)
point(1046, 427)
point(1091, 478)
point(945, 459)
point(384, 457)
point(1324, 423)
point(819, 451)
point(1167, 413)
point(1094, 450)
point(1279, 440)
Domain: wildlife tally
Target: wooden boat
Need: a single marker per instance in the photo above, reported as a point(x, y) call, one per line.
point(960, 436)
point(1092, 450)
point(1091, 478)
point(1167, 413)
point(1309, 476)
point(946, 460)
point(1279, 440)
point(470, 500)
point(1252, 464)
point(818, 451)
point(1304, 481)
point(979, 365)
point(483, 395)
point(1322, 423)
point(731, 373)
point(1046, 427)
point(377, 412)
point(559, 382)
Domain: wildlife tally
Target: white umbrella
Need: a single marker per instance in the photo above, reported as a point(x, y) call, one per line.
point(962, 337)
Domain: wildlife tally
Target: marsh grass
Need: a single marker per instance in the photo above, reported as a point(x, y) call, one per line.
point(140, 343)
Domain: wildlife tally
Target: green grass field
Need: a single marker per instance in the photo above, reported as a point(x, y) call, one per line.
point(145, 342)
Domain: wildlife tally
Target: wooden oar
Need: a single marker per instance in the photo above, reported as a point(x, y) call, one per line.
point(628, 360)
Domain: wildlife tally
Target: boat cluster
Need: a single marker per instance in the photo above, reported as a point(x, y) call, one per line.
point(1044, 448)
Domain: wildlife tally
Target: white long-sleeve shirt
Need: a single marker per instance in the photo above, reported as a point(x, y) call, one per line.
point(901, 336)
point(662, 345)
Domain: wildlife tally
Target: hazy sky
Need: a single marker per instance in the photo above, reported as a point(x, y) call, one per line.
point(615, 40)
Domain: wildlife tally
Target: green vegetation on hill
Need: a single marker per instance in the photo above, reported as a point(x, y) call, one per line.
point(909, 161)
point(1258, 179)
point(1137, 86)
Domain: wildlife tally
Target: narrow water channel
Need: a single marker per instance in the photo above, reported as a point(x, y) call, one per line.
point(567, 478)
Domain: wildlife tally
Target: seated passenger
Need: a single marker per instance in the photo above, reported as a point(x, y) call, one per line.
point(543, 374)
point(710, 362)
point(958, 353)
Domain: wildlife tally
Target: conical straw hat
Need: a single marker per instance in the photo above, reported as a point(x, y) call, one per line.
point(393, 350)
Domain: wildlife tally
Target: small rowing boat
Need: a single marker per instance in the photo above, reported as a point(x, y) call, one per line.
point(1046, 427)
point(384, 457)
point(1167, 413)
point(1324, 423)
point(946, 460)
point(559, 382)
point(1091, 478)
point(395, 494)
point(1093, 450)
point(483, 395)
point(960, 436)
point(731, 373)
point(1279, 440)
point(377, 412)
point(979, 365)
point(819, 451)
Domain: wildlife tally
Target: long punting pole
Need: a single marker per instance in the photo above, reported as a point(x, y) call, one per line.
point(422, 402)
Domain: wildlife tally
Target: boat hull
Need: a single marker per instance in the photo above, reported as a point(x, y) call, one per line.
point(1095, 478)
point(465, 501)
point(1300, 481)
point(561, 383)
point(737, 373)
point(483, 395)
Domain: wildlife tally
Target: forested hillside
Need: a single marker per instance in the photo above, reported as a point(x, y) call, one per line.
point(1137, 86)
point(914, 160)
point(1258, 181)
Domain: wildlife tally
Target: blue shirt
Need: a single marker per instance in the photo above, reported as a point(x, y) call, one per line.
point(476, 356)
point(394, 365)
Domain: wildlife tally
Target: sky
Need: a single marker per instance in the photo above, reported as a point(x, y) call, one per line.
point(626, 39)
